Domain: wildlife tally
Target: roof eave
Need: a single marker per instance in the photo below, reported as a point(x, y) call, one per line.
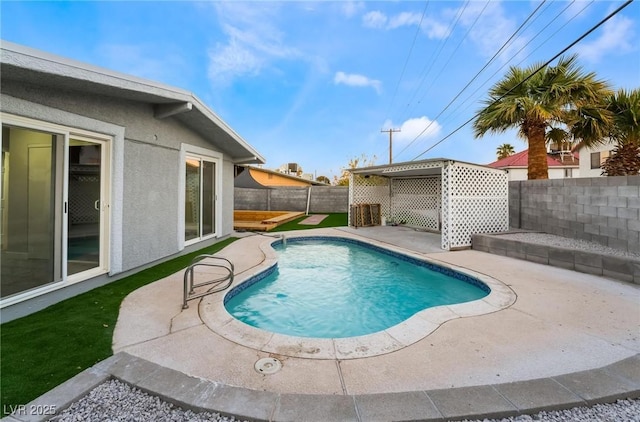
point(168, 101)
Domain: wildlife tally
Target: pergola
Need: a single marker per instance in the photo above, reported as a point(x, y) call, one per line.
point(454, 198)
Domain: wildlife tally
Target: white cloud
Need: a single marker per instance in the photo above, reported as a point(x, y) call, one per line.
point(254, 41)
point(374, 19)
point(404, 19)
point(491, 30)
point(351, 8)
point(431, 27)
point(578, 8)
point(232, 60)
point(352, 79)
point(614, 39)
point(435, 29)
point(412, 128)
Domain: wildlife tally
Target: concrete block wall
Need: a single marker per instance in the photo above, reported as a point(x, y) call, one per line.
point(328, 199)
point(619, 267)
point(605, 210)
point(251, 199)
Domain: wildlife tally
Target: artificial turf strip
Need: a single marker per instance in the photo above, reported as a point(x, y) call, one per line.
point(46, 348)
point(332, 220)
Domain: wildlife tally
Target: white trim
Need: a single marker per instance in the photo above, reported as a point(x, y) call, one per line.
point(17, 108)
point(67, 132)
point(216, 158)
point(105, 207)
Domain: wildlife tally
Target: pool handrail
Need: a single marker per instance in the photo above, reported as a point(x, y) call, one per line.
point(189, 286)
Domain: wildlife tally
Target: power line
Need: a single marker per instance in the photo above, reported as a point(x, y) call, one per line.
point(564, 50)
point(559, 29)
point(430, 62)
point(476, 75)
point(408, 57)
point(523, 47)
point(451, 56)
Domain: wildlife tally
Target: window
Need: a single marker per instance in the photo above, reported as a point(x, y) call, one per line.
point(54, 211)
point(598, 158)
point(200, 198)
point(595, 160)
point(568, 173)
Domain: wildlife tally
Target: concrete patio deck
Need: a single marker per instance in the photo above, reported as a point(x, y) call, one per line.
point(565, 339)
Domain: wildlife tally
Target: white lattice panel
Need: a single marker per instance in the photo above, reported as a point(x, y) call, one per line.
point(466, 198)
point(446, 229)
point(478, 203)
point(475, 181)
point(371, 190)
point(468, 223)
point(417, 202)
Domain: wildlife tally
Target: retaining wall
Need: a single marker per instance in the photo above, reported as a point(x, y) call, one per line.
point(619, 267)
point(605, 210)
point(322, 199)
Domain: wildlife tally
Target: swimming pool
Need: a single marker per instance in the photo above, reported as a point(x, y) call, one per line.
point(337, 288)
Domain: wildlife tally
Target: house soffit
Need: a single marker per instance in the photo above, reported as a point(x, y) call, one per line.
point(32, 67)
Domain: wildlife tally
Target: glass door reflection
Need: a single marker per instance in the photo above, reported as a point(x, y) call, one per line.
point(84, 206)
point(30, 197)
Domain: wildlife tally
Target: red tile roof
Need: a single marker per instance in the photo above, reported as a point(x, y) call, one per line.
point(521, 159)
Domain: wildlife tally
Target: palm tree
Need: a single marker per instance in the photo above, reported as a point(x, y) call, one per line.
point(625, 160)
point(558, 137)
point(504, 151)
point(562, 95)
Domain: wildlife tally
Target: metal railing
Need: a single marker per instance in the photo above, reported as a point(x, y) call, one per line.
point(218, 284)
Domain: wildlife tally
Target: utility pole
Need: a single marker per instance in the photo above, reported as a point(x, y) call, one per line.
point(391, 131)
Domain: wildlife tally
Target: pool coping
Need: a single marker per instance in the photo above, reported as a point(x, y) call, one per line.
point(619, 380)
point(598, 384)
point(215, 316)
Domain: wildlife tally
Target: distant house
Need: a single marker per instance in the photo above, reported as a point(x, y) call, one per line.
point(561, 165)
point(592, 158)
point(256, 177)
point(103, 173)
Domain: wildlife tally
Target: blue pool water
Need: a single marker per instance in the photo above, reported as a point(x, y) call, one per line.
point(334, 288)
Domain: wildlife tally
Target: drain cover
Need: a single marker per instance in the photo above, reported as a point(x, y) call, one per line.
point(268, 366)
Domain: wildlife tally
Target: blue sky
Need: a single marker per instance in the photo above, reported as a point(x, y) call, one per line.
point(315, 82)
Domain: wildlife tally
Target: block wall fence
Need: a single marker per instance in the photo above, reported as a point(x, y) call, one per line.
point(605, 210)
point(322, 199)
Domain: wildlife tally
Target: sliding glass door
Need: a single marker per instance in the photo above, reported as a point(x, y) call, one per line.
point(54, 208)
point(85, 206)
point(200, 198)
point(31, 218)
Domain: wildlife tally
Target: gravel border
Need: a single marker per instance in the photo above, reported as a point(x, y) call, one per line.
point(568, 243)
point(115, 400)
point(620, 411)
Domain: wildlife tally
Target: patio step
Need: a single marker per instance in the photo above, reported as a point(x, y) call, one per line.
point(623, 268)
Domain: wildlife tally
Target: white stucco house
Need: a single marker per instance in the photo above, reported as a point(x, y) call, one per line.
point(561, 165)
point(592, 158)
point(103, 173)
